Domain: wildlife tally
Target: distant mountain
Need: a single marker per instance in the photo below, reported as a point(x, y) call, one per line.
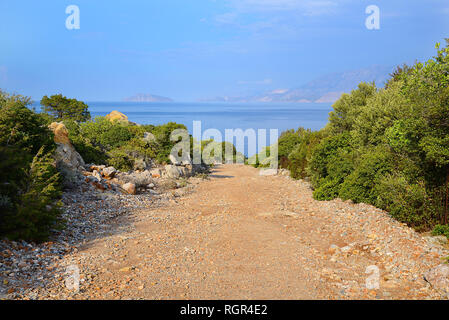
point(140, 97)
point(325, 89)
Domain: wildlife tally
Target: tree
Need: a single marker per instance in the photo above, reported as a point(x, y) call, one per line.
point(62, 108)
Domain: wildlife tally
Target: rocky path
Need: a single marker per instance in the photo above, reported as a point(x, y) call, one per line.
point(240, 235)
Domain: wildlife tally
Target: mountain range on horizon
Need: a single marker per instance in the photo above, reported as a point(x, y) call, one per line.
point(142, 97)
point(325, 89)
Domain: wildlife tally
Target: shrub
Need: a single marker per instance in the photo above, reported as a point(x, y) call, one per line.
point(286, 143)
point(299, 157)
point(441, 230)
point(29, 182)
point(328, 188)
point(326, 152)
point(163, 144)
point(404, 201)
point(359, 186)
point(105, 134)
point(38, 209)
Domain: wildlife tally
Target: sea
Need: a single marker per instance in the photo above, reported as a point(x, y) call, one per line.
point(220, 116)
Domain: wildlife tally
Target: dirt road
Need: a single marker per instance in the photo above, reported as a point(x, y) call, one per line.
point(240, 235)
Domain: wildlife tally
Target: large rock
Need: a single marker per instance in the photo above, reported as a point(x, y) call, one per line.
point(61, 133)
point(180, 161)
point(139, 179)
point(117, 116)
point(438, 277)
point(175, 172)
point(68, 160)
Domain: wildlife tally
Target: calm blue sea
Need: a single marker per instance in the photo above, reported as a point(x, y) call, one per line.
point(220, 116)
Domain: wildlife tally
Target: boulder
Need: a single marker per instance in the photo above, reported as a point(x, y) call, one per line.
point(61, 133)
point(139, 179)
point(117, 116)
point(130, 188)
point(438, 277)
point(68, 161)
point(180, 161)
point(175, 172)
point(96, 175)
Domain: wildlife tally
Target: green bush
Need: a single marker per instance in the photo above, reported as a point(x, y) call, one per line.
point(406, 202)
point(30, 186)
point(359, 186)
point(89, 152)
point(299, 157)
point(441, 230)
point(324, 154)
point(105, 134)
point(288, 140)
point(339, 169)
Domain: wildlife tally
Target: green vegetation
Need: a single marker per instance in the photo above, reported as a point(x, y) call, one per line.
point(119, 144)
point(441, 230)
point(30, 185)
point(388, 147)
point(60, 108)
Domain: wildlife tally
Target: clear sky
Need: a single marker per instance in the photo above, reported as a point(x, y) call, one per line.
point(193, 49)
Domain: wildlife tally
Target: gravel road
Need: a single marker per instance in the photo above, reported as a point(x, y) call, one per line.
point(240, 235)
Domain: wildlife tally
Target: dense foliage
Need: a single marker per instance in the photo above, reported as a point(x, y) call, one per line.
point(123, 145)
point(29, 181)
point(388, 147)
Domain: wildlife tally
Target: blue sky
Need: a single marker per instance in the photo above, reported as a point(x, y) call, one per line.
point(195, 49)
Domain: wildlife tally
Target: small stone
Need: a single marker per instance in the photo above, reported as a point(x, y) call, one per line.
point(130, 188)
point(109, 172)
point(125, 269)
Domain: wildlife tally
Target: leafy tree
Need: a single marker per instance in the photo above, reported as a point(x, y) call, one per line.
point(346, 109)
point(62, 108)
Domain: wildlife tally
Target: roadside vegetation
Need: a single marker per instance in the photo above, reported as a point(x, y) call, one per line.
point(30, 184)
point(388, 146)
